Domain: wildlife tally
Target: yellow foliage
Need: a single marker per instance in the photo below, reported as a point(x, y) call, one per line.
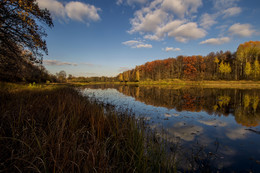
point(256, 69)
point(248, 51)
point(215, 107)
point(255, 102)
point(224, 67)
point(246, 100)
point(216, 60)
point(120, 77)
point(223, 100)
point(248, 69)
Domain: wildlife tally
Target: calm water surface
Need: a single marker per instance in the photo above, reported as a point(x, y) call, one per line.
point(224, 122)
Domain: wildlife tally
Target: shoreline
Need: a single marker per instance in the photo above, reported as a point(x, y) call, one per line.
point(180, 83)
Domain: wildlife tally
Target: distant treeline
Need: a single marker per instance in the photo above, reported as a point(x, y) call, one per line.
point(241, 65)
point(91, 79)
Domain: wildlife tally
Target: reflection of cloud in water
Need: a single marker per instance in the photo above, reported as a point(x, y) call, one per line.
point(238, 133)
point(205, 140)
point(213, 122)
point(227, 158)
point(146, 118)
point(224, 164)
point(228, 151)
point(185, 132)
point(167, 115)
point(129, 104)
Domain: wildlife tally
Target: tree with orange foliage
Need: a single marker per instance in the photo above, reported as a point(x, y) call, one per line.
point(201, 66)
point(190, 71)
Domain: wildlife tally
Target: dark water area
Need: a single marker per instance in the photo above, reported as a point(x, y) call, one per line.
point(221, 126)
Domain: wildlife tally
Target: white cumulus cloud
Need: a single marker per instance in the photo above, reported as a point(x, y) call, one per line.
point(207, 20)
point(73, 10)
point(147, 21)
point(223, 4)
point(137, 44)
point(231, 11)
point(54, 6)
point(242, 30)
point(168, 49)
point(182, 7)
point(144, 46)
point(216, 41)
point(222, 8)
point(163, 18)
point(186, 32)
point(152, 37)
point(80, 11)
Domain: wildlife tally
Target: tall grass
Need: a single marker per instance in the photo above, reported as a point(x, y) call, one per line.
point(59, 130)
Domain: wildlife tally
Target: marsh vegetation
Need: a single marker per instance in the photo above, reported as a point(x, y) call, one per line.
point(58, 130)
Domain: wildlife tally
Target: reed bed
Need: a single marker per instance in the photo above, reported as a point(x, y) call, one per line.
point(58, 130)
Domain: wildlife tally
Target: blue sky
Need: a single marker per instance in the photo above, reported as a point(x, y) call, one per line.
point(106, 37)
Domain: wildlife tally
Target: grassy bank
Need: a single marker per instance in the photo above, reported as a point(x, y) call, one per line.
point(207, 84)
point(177, 82)
point(58, 130)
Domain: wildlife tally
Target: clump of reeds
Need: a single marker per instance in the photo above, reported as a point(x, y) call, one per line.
point(59, 130)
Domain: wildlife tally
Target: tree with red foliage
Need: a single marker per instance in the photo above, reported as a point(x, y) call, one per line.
point(190, 71)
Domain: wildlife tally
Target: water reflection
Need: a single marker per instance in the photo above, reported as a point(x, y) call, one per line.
point(185, 132)
point(213, 122)
point(237, 133)
point(241, 103)
point(196, 115)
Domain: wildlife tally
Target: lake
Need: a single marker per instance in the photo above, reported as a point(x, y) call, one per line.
point(219, 125)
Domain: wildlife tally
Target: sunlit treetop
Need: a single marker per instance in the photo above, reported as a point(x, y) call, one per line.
point(248, 51)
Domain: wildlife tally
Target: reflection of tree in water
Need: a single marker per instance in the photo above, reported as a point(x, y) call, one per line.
point(189, 103)
point(243, 104)
point(255, 102)
point(246, 100)
point(223, 100)
point(223, 106)
point(248, 115)
point(137, 91)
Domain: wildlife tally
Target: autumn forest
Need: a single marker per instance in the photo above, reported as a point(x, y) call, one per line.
point(241, 65)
